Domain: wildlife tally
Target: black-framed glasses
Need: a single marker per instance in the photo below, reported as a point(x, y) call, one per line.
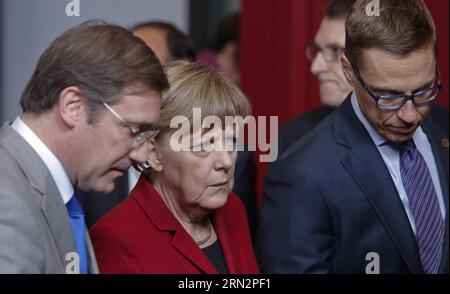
point(138, 135)
point(393, 102)
point(329, 53)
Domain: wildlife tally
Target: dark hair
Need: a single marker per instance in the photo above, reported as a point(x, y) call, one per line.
point(102, 60)
point(180, 46)
point(228, 31)
point(401, 27)
point(338, 9)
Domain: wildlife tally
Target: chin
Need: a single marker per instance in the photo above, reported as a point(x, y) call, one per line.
point(328, 98)
point(399, 138)
point(218, 200)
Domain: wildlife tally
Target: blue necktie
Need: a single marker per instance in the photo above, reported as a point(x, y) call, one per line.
point(78, 229)
point(424, 205)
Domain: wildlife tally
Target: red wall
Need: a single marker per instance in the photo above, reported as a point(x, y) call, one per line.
point(275, 72)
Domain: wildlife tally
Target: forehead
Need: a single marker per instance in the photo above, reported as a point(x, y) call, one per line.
point(399, 72)
point(140, 108)
point(331, 31)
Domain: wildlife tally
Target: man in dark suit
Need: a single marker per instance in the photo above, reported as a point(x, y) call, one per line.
point(367, 190)
point(324, 54)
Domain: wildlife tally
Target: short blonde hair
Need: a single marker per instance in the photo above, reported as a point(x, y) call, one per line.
point(195, 85)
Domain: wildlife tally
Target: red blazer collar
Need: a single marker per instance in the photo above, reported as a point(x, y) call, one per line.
point(159, 214)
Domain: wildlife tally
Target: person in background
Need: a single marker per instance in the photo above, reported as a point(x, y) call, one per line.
point(167, 41)
point(367, 190)
point(325, 53)
point(182, 217)
point(224, 55)
point(85, 120)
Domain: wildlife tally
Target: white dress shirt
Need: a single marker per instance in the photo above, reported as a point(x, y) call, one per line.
point(55, 167)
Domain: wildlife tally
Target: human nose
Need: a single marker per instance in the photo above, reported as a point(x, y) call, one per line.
point(408, 112)
point(319, 64)
point(139, 153)
point(224, 159)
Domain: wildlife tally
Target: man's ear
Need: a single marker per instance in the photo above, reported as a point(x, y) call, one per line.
point(347, 70)
point(154, 156)
point(71, 106)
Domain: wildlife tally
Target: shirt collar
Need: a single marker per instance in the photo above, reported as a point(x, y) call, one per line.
point(55, 167)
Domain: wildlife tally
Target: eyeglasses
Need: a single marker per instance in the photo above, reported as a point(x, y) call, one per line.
point(393, 102)
point(329, 53)
point(138, 135)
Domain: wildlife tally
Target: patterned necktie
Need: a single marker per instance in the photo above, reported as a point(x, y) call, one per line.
point(424, 205)
point(78, 229)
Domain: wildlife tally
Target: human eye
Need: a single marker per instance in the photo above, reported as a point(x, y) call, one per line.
point(230, 143)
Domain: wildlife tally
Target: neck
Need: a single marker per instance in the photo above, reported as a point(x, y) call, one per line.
point(184, 211)
point(51, 133)
point(197, 225)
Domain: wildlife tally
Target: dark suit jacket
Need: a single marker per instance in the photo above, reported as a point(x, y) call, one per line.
point(96, 204)
point(300, 125)
point(330, 200)
point(141, 235)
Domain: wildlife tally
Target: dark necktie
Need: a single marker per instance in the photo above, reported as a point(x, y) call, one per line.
point(424, 205)
point(78, 229)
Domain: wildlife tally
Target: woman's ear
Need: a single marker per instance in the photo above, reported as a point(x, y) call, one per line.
point(347, 70)
point(154, 156)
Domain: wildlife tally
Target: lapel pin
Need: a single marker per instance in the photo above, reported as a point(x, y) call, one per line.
point(445, 143)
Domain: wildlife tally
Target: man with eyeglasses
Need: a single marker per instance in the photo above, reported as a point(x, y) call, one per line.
point(168, 43)
point(367, 191)
point(324, 55)
point(88, 111)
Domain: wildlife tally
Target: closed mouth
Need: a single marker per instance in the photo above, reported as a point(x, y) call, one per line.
point(404, 130)
point(220, 184)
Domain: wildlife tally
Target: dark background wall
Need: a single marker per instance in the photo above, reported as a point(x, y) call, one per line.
point(204, 17)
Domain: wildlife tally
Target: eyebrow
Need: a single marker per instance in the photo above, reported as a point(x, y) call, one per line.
point(332, 45)
point(423, 87)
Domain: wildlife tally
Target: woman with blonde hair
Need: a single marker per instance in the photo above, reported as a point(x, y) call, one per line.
point(182, 217)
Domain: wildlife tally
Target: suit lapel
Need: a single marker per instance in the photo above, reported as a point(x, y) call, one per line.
point(183, 243)
point(55, 214)
point(359, 154)
point(158, 213)
point(51, 203)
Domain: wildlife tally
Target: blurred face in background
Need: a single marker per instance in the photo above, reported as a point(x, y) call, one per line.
point(155, 39)
point(326, 65)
